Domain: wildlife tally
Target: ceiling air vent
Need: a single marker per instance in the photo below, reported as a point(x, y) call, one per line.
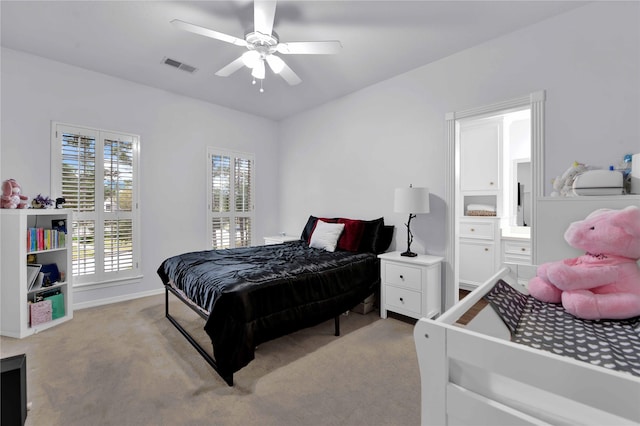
point(179, 65)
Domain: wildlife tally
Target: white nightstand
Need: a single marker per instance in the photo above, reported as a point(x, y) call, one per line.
point(410, 285)
point(279, 239)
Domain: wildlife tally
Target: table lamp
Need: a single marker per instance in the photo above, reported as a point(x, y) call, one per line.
point(413, 201)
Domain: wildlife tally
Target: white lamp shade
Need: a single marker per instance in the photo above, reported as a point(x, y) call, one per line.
point(258, 70)
point(411, 200)
point(250, 58)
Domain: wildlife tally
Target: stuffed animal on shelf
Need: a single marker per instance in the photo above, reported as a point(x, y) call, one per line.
point(11, 196)
point(563, 185)
point(41, 202)
point(604, 283)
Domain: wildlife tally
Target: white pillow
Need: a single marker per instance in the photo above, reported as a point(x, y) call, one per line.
point(325, 235)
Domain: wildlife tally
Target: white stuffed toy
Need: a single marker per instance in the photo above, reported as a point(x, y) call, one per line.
point(562, 185)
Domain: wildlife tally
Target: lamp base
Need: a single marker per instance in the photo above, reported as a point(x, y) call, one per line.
point(409, 254)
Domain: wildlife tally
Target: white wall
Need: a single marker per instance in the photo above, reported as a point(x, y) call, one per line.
point(343, 158)
point(174, 133)
point(346, 157)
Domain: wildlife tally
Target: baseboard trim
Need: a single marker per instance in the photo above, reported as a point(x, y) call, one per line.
point(116, 299)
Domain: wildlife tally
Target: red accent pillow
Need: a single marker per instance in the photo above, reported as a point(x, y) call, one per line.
point(352, 234)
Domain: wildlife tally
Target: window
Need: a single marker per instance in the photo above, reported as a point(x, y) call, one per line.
point(97, 174)
point(230, 199)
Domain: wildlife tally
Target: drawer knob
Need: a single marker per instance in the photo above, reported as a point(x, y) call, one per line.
point(402, 278)
point(490, 183)
point(523, 249)
point(402, 300)
point(486, 249)
point(472, 229)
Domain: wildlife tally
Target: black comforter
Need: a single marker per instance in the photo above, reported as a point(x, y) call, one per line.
point(255, 294)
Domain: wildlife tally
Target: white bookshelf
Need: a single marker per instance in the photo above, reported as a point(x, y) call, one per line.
point(14, 292)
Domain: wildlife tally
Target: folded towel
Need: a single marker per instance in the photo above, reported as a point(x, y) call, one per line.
point(484, 207)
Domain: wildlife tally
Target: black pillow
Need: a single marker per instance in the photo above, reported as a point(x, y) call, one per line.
point(383, 238)
point(376, 237)
point(369, 235)
point(308, 228)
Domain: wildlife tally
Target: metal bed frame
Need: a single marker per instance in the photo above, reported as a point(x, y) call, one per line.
point(227, 377)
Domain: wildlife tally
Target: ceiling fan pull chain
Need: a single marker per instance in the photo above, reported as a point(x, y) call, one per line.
point(261, 89)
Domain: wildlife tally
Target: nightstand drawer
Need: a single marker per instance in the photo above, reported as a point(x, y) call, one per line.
point(476, 229)
point(404, 299)
point(403, 276)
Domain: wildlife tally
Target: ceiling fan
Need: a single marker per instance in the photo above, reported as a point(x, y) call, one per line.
point(262, 45)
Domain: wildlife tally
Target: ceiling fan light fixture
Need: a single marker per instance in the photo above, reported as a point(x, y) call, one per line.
point(250, 58)
point(262, 43)
point(275, 63)
point(258, 70)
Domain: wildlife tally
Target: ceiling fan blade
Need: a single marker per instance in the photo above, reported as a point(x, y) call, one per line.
point(229, 69)
point(196, 29)
point(289, 76)
point(264, 13)
point(310, 47)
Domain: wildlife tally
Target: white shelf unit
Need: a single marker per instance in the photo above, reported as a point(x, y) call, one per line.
point(14, 318)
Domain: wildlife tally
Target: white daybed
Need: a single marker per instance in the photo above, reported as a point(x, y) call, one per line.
point(474, 375)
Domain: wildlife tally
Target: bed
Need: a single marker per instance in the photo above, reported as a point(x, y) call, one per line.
point(250, 295)
point(476, 374)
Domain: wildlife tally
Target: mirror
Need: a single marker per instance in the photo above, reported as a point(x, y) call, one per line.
point(521, 184)
point(516, 209)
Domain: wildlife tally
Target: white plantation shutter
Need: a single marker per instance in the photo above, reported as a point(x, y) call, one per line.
point(230, 198)
point(118, 202)
point(78, 180)
point(243, 195)
point(96, 172)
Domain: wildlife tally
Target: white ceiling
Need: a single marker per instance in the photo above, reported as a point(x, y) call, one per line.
point(380, 39)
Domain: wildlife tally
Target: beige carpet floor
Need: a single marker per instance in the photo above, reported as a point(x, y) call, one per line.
point(125, 364)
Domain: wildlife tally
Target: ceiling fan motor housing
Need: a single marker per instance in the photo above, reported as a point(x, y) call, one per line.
point(262, 43)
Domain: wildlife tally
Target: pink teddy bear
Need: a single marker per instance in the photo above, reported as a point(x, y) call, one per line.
point(11, 196)
point(604, 282)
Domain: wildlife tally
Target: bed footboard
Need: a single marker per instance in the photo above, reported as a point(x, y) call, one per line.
point(472, 378)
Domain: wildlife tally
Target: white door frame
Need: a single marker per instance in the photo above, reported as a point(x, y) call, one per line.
point(535, 101)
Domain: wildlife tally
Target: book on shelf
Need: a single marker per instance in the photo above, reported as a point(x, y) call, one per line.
point(44, 294)
point(39, 239)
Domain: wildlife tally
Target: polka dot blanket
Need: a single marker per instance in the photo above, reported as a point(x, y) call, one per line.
point(613, 344)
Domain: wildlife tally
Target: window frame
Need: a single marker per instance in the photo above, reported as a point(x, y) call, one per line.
point(232, 214)
point(100, 278)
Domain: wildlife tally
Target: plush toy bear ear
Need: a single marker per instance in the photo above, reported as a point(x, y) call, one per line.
point(6, 188)
point(629, 220)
